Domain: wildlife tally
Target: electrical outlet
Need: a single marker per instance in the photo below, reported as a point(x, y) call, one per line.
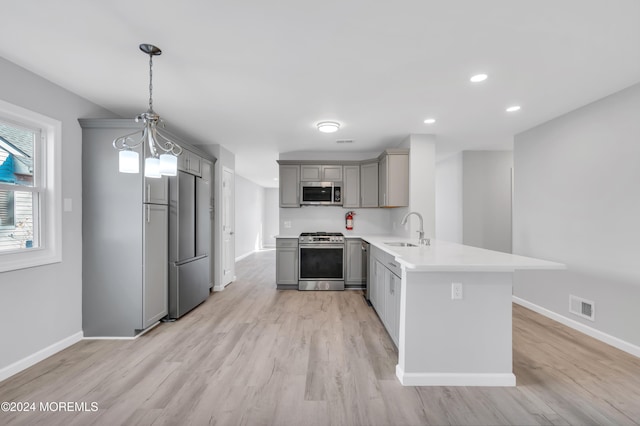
point(287, 224)
point(456, 291)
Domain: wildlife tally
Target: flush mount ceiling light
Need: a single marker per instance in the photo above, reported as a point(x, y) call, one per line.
point(513, 108)
point(478, 78)
point(162, 155)
point(429, 121)
point(328, 126)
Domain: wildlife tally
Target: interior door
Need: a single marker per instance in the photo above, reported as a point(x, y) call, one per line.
point(228, 237)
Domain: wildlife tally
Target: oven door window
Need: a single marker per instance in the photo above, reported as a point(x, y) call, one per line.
point(317, 194)
point(321, 263)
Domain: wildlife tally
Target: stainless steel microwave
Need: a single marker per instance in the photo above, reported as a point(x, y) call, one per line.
point(321, 193)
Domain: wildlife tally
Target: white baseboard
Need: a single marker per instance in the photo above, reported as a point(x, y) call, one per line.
point(576, 325)
point(455, 379)
point(218, 287)
point(35, 358)
point(146, 330)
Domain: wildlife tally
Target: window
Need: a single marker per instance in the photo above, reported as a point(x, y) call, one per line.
point(30, 217)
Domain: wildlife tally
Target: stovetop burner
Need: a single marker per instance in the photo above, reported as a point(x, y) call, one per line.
point(321, 234)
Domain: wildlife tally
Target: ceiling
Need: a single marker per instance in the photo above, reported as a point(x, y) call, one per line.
point(256, 76)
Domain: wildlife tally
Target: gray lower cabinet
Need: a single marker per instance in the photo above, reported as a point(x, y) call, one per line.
point(155, 273)
point(354, 263)
point(289, 185)
point(287, 263)
point(385, 290)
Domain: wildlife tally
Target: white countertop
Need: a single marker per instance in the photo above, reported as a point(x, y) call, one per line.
point(444, 256)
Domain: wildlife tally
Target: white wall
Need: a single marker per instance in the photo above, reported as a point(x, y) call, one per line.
point(43, 306)
point(576, 201)
point(486, 192)
point(331, 219)
point(250, 218)
point(449, 199)
point(271, 217)
point(422, 188)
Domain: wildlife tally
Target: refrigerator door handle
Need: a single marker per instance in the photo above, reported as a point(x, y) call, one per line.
point(193, 259)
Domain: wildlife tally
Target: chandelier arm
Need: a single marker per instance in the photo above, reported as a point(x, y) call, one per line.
point(122, 142)
point(169, 145)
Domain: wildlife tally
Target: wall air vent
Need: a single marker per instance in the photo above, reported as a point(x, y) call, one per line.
point(344, 141)
point(582, 307)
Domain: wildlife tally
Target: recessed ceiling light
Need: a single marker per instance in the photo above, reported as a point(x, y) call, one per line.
point(429, 121)
point(513, 108)
point(478, 78)
point(328, 126)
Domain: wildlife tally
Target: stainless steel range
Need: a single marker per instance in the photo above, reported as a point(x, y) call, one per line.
point(321, 261)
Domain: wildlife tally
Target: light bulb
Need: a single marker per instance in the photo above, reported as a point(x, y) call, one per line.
point(152, 167)
point(128, 161)
point(168, 165)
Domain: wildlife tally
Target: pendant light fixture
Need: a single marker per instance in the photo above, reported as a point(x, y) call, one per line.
point(162, 155)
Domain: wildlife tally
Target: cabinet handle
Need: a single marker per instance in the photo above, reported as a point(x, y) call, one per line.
point(148, 214)
point(393, 265)
point(148, 192)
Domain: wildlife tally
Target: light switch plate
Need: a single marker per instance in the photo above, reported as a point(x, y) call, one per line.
point(287, 224)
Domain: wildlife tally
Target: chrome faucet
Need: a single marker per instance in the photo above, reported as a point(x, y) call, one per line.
point(421, 239)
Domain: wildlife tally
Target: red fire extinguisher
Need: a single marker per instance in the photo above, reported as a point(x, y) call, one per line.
point(349, 220)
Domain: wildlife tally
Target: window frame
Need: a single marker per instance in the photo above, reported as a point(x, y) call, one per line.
point(47, 182)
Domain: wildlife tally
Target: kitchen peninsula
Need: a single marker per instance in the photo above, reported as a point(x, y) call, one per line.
point(452, 311)
point(446, 306)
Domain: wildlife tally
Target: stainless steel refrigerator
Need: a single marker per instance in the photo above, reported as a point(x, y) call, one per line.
point(189, 242)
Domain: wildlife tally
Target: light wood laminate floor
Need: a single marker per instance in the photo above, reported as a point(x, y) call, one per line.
point(252, 355)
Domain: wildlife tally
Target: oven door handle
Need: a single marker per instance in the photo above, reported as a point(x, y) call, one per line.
point(322, 246)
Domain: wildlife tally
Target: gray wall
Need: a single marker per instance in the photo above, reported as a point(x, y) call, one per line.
point(577, 202)
point(449, 198)
point(249, 216)
point(486, 192)
point(271, 217)
point(43, 305)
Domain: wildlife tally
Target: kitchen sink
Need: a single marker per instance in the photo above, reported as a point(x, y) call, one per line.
point(401, 244)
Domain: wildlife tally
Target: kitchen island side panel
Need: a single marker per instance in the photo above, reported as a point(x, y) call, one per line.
point(443, 340)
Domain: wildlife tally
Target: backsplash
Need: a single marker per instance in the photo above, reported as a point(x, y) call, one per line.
point(331, 219)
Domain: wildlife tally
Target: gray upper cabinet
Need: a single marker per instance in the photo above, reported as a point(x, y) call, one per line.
point(190, 163)
point(369, 184)
point(393, 178)
point(351, 187)
point(155, 190)
point(207, 170)
point(289, 185)
point(320, 173)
